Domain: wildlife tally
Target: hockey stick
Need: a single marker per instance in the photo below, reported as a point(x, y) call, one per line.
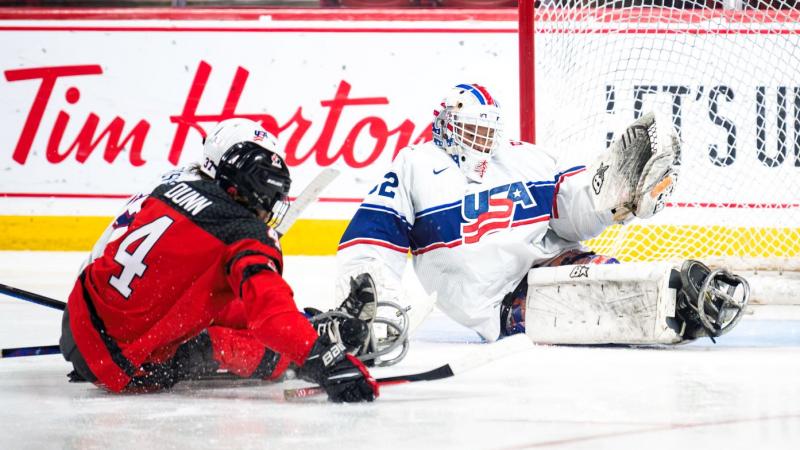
point(29, 351)
point(488, 353)
point(31, 297)
point(307, 197)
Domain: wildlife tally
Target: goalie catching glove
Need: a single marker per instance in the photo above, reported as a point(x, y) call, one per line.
point(638, 172)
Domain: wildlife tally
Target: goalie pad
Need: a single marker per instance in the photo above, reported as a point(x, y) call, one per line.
point(638, 172)
point(632, 303)
point(602, 304)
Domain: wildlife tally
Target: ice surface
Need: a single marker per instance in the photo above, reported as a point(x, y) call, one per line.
point(743, 392)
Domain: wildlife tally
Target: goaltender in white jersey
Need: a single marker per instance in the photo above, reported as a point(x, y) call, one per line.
point(478, 211)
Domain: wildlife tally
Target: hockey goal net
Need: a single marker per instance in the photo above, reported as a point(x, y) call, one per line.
point(727, 75)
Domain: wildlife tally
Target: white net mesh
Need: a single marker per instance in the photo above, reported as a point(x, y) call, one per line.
point(727, 74)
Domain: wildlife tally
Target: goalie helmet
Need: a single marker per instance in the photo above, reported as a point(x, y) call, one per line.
point(232, 131)
point(258, 178)
point(468, 127)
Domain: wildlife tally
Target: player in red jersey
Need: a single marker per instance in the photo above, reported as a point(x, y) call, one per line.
point(192, 284)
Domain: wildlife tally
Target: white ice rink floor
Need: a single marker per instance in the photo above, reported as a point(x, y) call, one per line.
point(742, 393)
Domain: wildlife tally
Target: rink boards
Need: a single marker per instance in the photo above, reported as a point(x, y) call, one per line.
point(349, 90)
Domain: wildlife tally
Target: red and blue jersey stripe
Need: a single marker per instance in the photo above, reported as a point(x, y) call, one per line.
point(442, 225)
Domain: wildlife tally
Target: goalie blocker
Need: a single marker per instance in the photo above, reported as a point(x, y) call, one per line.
point(632, 303)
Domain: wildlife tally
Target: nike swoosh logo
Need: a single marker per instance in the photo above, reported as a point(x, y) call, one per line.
point(437, 172)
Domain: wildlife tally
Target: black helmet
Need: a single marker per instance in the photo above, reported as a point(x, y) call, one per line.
point(257, 176)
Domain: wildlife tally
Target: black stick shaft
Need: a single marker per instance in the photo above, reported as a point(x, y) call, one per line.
point(29, 351)
point(31, 297)
point(438, 373)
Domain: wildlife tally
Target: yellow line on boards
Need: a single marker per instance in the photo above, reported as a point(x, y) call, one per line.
point(51, 233)
point(79, 233)
point(313, 237)
point(320, 237)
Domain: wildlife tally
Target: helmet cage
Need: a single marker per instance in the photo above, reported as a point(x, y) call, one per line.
point(258, 177)
point(476, 130)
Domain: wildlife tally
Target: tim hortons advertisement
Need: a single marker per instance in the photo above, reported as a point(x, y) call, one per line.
point(89, 116)
point(92, 112)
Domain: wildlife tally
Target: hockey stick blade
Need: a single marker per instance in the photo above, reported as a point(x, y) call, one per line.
point(31, 297)
point(483, 356)
point(306, 198)
point(29, 351)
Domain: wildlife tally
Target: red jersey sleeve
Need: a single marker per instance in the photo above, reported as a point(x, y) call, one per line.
point(253, 271)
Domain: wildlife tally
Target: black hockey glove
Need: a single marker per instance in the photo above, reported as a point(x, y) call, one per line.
point(343, 376)
point(336, 327)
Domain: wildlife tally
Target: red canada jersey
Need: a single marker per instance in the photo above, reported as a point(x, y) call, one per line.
point(188, 253)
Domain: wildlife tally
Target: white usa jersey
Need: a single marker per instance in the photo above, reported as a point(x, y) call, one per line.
point(471, 243)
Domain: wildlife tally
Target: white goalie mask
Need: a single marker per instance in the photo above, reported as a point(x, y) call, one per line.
point(468, 127)
point(230, 132)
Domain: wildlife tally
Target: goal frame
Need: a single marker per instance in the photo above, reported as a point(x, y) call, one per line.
point(612, 21)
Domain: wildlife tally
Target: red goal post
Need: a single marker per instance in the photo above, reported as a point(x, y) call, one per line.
point(728, 78)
